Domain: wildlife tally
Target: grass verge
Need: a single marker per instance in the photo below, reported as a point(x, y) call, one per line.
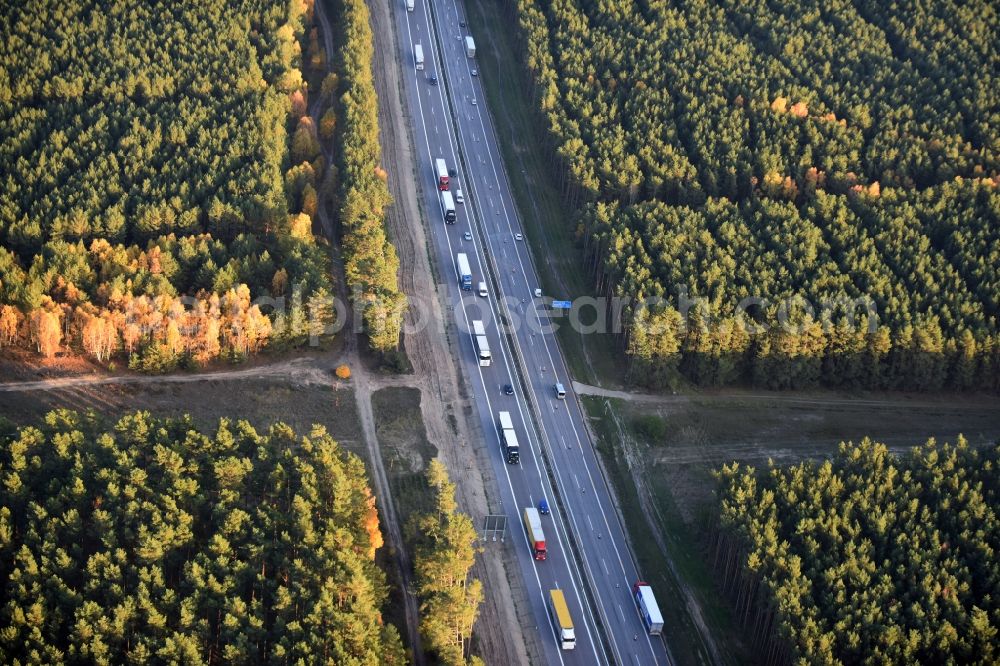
point(680, 629)
point(406, 451)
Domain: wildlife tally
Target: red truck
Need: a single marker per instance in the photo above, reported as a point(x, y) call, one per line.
point(442, 173)
point(533, 526)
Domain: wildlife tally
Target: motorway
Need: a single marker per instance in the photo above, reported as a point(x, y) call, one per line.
point(587, 555)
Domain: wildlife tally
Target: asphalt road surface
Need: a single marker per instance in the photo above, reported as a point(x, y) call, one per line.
point(587, 555)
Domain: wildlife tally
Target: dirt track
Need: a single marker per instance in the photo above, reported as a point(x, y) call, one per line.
point(819, 399)
point(304, 369)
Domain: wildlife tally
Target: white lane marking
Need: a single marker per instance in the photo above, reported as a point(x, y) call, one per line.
point(571, 564)
point(548, 352)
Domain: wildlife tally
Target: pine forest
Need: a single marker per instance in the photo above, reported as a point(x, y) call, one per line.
point(161, 194)
point(149, 541)
point(801, 192)
point(869, 558)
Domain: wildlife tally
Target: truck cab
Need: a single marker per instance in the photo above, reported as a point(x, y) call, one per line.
point(648, 608)
point(562, 620)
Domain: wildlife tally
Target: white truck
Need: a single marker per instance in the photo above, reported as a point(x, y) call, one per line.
point(648, 608)
point(482, 343)
point(464, 272)
point(510, 443)
point(409, 5)
point(418, 55)
point(470, 46)
point(448, 207)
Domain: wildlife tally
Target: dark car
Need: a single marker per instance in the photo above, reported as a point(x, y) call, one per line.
point(543, 507)
point(452, 173)
point(508, 389)
point(433, 79)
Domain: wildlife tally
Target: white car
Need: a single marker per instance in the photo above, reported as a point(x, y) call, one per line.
point(475, 72)
point(518, 237)
point(474, 102)
point(459, 197)
point(468, 235)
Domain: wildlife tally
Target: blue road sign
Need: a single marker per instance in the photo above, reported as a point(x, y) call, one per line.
point(562, 305)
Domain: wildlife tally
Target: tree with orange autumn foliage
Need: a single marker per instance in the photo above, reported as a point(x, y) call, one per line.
point(45, 325)
point(245, 329)
point(371, 527)
point(84, 269)
point(297, 99)
point(279, 282)
point(10, 322)
point(310, 202)
point(98, 333)
point(327, 123)
point(300, 226)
